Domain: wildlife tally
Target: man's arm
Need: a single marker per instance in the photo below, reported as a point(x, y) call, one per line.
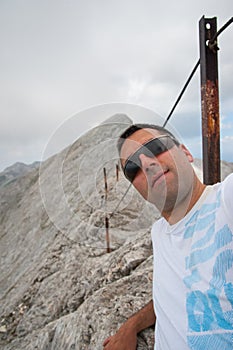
point(126, 336)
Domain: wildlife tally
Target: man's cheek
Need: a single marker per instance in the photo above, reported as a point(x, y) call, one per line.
point(141, 185)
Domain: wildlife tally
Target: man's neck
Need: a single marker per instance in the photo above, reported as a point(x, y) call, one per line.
point(180, 210)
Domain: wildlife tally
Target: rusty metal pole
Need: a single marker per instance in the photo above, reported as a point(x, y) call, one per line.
point(209, 101)
point(117, 172)
point(108, 249)
point(105, 184)
point(107, 235)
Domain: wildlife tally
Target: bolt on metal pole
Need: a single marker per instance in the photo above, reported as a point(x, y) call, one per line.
point(209, 101)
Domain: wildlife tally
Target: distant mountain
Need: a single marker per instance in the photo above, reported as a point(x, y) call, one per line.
point(16, 170)
point(226, 168)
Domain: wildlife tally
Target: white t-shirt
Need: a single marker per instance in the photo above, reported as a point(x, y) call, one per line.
point(193, 275)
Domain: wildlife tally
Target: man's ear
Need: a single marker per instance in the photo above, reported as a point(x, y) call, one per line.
point(187, 153)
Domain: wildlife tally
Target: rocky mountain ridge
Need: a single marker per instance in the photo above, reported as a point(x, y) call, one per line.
point(59, 288)
point(16, 170)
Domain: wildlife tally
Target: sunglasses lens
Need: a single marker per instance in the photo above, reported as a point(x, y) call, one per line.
point(156, 147)
point(151, 149)
point(131, 170)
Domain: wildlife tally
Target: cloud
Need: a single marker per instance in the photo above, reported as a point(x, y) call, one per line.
point(59, 58)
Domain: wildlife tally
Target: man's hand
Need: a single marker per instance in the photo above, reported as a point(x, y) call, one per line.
point(124, 339)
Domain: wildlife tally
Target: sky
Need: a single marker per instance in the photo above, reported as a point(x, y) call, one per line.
point(64, 60)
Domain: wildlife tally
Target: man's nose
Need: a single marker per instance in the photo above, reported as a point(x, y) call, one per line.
point(148, 163)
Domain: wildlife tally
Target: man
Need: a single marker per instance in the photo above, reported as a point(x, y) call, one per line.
point(192, 304)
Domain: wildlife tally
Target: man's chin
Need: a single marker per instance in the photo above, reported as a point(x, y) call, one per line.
point(158, 201)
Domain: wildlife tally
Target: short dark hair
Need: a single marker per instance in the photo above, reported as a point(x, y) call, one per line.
point(135, 127)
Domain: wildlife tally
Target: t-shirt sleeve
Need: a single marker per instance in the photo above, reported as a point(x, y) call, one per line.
point(228, 195)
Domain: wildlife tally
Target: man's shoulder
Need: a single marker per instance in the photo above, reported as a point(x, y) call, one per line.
point(228, 179)
point(226, 183)
point(158, 223)
point(226, 186)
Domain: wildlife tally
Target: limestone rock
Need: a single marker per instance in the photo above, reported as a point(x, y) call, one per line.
point(60, 289)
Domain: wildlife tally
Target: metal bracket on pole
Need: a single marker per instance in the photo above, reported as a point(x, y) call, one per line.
point(209, 101)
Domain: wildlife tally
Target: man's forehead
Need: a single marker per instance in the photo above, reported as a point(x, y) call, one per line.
point(134, 141)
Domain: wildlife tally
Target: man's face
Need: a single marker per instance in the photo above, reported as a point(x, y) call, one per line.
point(163, 180)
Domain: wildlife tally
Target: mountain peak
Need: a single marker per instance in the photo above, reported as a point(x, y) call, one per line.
point(16, 170)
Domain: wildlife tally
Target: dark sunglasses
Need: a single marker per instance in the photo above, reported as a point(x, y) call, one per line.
point(150, 149)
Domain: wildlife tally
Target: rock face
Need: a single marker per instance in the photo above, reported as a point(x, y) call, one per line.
point(59, 287)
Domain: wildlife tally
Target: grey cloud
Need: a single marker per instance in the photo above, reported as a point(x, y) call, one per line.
point(61, 57)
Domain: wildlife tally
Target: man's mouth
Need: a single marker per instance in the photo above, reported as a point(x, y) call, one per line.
point(156, 178)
